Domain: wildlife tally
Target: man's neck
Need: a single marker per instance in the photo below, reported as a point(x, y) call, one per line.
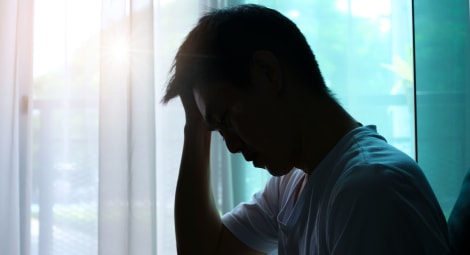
point(325, 123)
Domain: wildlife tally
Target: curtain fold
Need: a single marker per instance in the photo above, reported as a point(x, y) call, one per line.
point(127, 130)
point(9, 153)
point(15, 107)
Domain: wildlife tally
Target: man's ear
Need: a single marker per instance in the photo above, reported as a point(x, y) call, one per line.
point(266, 70)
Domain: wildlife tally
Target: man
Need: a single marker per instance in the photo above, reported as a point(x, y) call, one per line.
point(338, 187)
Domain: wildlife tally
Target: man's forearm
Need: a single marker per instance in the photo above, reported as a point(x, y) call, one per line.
point(197, 221)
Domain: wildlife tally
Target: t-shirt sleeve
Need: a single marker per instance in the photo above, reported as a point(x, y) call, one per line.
point(255, 222)
point(385, 213)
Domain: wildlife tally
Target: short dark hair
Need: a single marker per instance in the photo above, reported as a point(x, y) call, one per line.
point(220, 48)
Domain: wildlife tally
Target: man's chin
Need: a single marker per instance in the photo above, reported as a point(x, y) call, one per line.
point(278, 171)
point(274, 170)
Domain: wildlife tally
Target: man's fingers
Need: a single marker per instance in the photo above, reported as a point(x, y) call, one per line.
point(190, 107)
point(187, 98)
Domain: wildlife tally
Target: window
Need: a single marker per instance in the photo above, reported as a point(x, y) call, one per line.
point(442, 46)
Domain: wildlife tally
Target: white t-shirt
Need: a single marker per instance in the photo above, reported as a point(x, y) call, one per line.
point(365, 197)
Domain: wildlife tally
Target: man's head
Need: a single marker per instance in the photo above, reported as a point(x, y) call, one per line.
point(221, 46)
point(252, 76)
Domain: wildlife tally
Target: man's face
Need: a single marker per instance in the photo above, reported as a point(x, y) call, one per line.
point(252, 121)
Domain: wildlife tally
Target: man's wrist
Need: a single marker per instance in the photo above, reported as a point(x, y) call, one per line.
point(196, 131)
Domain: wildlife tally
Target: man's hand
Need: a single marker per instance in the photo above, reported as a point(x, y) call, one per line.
point(198, 226)
point(195, 131)
point(192, 113)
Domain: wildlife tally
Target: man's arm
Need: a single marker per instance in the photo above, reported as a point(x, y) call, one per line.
point(199, 229)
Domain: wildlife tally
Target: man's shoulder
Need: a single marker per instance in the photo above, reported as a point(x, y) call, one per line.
point(371, 155)
point(372, 175)
point(364, 147)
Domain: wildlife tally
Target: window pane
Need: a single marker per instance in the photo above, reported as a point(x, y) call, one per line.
point(443, 94)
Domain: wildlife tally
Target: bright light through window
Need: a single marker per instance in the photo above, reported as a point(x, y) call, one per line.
point(365, 8)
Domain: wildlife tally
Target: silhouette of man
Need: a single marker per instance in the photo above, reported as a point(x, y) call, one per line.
point(337, 186)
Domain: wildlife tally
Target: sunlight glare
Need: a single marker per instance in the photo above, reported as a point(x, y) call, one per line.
point(119, 50)
point(294, 14)
point(60, 29)
point(365, 8)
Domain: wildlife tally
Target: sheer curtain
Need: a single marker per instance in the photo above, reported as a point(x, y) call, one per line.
point(126, 209)
point(15, 85)
point(172, 21)
point(78, 125)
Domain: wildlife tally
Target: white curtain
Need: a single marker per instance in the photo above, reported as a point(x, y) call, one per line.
point(88, 155)
point(127, 129)
point(15, 85)
point(9, 112)
point(77, 131)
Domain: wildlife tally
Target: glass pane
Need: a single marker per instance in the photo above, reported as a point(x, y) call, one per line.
point(364, 49)
point(443, 94)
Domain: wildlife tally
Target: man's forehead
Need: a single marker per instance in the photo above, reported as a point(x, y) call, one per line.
point(209, 92)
